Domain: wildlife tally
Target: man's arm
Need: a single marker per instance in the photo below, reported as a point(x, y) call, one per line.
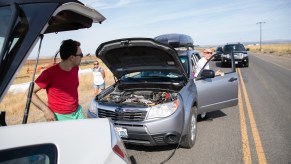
point(48, 114)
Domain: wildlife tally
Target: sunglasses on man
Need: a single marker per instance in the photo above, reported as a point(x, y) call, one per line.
point(81, 55)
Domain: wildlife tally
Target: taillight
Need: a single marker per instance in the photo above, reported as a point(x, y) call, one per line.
point(118, 151)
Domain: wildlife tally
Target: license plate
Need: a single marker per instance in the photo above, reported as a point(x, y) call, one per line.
point(122, 132)
point(236, 62)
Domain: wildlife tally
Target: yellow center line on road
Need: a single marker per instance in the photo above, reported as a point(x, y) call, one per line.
point(255, 132)
point(244, 132)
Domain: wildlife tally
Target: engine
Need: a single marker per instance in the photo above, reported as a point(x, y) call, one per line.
point(144, 98)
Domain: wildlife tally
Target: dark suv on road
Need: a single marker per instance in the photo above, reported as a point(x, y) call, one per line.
point(240, 54)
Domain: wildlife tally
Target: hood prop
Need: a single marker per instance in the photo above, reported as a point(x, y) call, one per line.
point(31, 85)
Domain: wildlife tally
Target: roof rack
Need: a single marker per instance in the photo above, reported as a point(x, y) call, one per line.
point(176, 40)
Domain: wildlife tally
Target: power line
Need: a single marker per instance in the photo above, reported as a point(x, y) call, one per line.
point(260, 34)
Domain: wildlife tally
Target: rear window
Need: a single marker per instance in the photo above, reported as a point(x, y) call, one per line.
point(32, 154)
point(5, 14)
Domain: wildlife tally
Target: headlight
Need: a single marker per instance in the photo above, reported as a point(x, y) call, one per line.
point(93, 107)
point(245, 55)
point(163, 110)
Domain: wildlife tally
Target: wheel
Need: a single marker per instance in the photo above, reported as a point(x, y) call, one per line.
point(222, 64)
point(190, 137)
point(246, 64)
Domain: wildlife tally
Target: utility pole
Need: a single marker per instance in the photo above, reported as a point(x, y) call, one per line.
point(260, 34)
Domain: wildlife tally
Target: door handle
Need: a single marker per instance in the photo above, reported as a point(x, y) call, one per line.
point(232, 79)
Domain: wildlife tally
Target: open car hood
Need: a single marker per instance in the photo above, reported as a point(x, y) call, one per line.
point(124, 56)
point(23, 21)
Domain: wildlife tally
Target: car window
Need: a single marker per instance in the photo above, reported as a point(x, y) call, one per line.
point(18, 30)
point(219, 49)
point(5, 14)
point(32, 154)
point(217, 67)
point(194, 63)
point(185, 63)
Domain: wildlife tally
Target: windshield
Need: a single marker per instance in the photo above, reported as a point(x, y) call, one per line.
point(154, 76)
point(235, 47)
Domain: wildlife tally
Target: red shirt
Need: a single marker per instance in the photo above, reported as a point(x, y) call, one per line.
point(61, 87)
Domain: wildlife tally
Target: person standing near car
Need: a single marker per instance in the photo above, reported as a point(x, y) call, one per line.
point(61, 83)
point(207, 53)
point(98, 76)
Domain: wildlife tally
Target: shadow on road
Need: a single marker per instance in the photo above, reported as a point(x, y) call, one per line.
point(211, 115)
point(150, 148)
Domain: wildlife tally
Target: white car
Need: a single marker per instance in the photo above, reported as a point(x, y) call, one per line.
point(74, 141)
point(22, 24)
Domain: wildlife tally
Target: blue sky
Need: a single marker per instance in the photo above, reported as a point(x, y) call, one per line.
point(207, 22)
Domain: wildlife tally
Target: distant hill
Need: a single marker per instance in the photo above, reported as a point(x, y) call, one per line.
point(277, 41)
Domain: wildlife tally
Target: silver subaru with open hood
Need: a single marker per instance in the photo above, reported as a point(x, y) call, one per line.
point(154, 100)
point(152, 96)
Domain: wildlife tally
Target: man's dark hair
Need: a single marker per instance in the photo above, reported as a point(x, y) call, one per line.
point(69, 47)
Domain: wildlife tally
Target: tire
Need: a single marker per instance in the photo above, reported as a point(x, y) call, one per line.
point(189, 140)
point(246, 64)
point(222, 64)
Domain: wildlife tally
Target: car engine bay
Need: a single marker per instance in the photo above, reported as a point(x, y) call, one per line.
point(139, 97)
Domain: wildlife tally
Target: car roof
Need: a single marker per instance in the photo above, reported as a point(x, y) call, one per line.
point(233, 44)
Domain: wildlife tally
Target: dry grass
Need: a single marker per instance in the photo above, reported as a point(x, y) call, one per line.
point(14, 104)
point(279, 49)
point(26, 72)
point(272, 48)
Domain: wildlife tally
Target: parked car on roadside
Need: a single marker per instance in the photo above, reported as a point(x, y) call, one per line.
point(240, 54)
point(156, 100)
point(22, 24)
point(218, 52)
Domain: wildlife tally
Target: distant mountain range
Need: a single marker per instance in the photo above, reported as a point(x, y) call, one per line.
point(277, 41)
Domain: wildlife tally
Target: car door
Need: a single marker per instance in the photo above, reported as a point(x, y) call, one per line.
point(220, 91)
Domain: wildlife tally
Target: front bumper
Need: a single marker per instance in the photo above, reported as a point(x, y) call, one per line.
point(237, 60)
point(164, 131)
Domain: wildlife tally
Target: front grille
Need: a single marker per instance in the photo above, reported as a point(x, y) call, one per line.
point(238, 56)
point(124, 116)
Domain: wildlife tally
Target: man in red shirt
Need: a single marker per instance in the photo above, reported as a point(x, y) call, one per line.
point(61, 83)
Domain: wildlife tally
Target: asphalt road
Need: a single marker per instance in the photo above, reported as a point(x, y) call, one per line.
point(258, 130)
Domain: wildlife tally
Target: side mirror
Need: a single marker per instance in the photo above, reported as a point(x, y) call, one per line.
point(206, 73)
point(247, 49)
